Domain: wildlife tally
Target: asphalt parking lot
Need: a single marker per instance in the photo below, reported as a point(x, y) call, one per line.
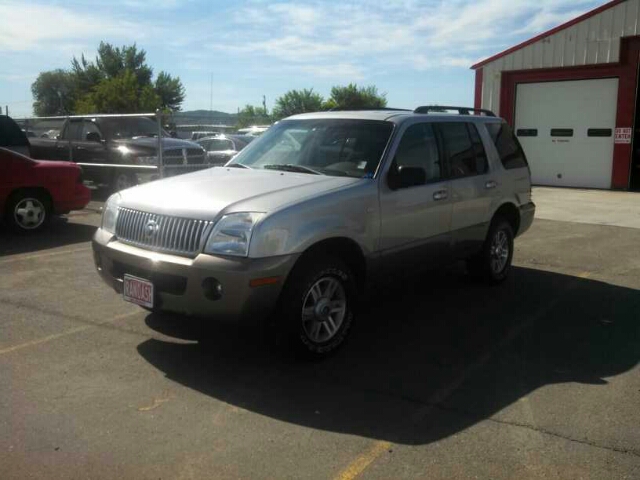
point(443, 377)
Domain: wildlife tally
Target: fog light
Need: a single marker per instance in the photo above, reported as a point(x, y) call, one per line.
point(212, 288)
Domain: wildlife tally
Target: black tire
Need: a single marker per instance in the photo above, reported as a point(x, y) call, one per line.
point(493, 264)
point(122, 180)
point(299, 328)
point(27, 211)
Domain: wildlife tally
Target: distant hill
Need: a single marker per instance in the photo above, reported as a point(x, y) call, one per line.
point(204, 117)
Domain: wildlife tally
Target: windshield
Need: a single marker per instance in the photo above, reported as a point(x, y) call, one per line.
point(130, 127)
point(326, 146)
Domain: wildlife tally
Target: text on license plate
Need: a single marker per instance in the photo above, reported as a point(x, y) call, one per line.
point(138, 290)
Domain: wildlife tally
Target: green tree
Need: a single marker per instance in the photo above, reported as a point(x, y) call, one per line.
point(119, 95)
point(54, 93)
point(170, 91)
point(118, 81)
point(354, 97)
point(252, 115)
point(297, 101)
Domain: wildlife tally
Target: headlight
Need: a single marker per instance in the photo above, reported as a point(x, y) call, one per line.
point(146, 160)
point(110, 213)
point(232, 234)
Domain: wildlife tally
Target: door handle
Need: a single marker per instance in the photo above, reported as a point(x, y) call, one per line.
point(440, 195)
point(490, 184)
point(80, 148)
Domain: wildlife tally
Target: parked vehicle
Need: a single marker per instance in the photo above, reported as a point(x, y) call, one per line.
point(202, 134)
point(297, 225)
point(33, 190)
point(12, 136)
point(116, 150)
point(255, 130)
point(222, 148)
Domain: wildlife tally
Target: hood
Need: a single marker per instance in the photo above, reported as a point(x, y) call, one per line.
point(205, 194)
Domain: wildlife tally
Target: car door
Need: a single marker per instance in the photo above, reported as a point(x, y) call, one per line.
point(90, 151)
point(70, 135)
point(415, 220)
point(14, 174)
point(472, 185)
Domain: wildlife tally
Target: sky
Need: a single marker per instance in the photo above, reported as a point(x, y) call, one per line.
point(231, 53)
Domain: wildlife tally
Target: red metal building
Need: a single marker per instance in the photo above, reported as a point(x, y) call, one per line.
point(572, 96)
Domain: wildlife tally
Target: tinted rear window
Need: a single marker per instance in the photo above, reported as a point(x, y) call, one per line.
point(509, 149)
point(10, 133)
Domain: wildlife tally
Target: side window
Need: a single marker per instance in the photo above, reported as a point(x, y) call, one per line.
point(509, 149)
point(89, 127)
point(419, 148)
point(73, 131)
point(462, 154)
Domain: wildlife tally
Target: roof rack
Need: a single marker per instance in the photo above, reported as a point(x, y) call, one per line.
point(339, 109)
point(460, 110)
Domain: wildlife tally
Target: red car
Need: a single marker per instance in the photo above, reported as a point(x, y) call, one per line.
point(33, 190)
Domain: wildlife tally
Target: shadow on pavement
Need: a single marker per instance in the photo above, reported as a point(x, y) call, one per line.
point(444, 345)
point(59, 232)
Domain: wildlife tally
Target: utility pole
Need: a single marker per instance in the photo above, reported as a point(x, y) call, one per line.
point(211, 98)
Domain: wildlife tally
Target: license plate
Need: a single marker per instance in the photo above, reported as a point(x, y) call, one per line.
point(138, 290)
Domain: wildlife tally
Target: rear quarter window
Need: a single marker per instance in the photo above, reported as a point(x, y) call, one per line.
point(509, 149)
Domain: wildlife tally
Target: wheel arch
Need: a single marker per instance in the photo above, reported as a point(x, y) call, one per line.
point(343, 248)
point(39, 189)
point(511, 214)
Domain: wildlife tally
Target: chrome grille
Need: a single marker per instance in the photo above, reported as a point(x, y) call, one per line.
point(183, 156)
point(161, 233)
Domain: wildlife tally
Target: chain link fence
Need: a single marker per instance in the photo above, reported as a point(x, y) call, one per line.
point(128, 148)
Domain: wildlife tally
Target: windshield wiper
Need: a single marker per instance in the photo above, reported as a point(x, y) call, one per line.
point(238, 165)
point(289, 167)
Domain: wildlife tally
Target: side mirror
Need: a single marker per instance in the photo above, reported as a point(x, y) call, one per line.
point(93, 137)
point(405, 177)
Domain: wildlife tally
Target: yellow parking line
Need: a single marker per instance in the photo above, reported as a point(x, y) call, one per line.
point(362, 461)
point(41, 255)
point(72, 331)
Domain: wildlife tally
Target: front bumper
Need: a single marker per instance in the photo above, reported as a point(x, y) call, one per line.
point(527, 212)
point(180, 282)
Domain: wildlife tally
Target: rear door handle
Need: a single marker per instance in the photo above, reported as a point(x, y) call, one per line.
point(490, 184)
point(440, 195)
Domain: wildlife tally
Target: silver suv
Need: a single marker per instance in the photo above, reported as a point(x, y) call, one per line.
point(320, 206)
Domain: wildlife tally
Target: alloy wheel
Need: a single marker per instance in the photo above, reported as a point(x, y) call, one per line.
point(324, 309)
point(29, 213)
point(499, 253)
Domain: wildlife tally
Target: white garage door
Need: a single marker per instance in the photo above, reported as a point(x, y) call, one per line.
point(567, 131)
